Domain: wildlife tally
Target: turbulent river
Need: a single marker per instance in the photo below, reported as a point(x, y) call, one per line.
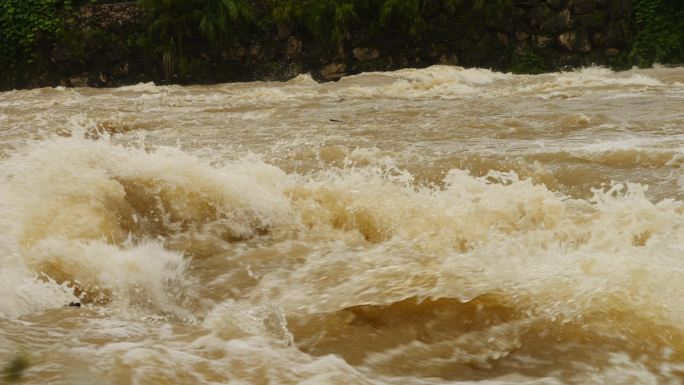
point(434, 226)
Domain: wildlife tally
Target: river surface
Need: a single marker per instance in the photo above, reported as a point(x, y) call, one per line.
point(434, 226)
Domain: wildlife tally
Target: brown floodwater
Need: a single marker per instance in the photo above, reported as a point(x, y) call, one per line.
point(433, 226)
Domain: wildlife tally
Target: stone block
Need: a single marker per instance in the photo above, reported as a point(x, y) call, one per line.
point(333, 71)
point(593, 21)
point(294, 46)
point(561, 22)
point(583, 7)
point(521, 36)
point(448, 59)
point(365, 53)
point(542, 41)
point(576, 40)
point(79, 81)
point(567, 40)
point(610, 51)
point(555, 4)
point(537, 16)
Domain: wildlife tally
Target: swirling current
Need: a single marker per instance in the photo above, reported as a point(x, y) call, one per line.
point(432, 226)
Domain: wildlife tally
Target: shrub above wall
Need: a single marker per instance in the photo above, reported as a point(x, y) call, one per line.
point(180, 30)
point(660, 32)
point(24, 25)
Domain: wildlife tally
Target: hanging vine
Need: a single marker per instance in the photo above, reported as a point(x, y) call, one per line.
point(660, 32)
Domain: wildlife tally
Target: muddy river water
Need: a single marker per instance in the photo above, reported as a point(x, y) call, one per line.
point(433, 226)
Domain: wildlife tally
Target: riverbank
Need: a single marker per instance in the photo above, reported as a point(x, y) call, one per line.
point(104, 45)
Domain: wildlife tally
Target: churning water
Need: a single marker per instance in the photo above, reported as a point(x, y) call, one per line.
point(435, 226)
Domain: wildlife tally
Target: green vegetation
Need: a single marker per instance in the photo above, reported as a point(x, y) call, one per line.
point(333, 20)
point(325, 19)
point(660, 32)
point(178, 29)
point(185, 40)
point(24, 24)
point(528, 63)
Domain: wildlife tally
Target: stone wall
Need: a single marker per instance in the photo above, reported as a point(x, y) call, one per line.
point(536, 36)
point(553, 34)
point(573, 32)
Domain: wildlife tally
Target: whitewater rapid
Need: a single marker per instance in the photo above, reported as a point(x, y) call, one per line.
point(432, 226)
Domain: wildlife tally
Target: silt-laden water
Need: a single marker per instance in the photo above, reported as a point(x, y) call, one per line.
point(434, 226)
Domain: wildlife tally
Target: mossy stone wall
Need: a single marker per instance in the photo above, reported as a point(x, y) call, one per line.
point(105, 47)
